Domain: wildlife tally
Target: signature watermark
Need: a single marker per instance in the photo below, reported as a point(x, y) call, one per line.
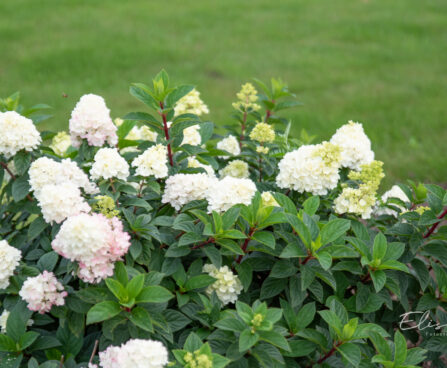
point(421, 321)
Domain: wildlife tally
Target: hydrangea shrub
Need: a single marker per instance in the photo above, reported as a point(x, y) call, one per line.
point(156, 240)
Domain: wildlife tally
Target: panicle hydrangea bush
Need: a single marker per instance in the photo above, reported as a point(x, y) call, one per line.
point(154, 240)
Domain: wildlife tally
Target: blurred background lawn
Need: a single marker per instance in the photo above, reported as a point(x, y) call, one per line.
point(381, 62)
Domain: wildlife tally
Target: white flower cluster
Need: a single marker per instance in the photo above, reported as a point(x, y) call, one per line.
point(57, 188)
point(137, 133)
point(90, 119)
point(355, 145)
point(394, 192)
point(194, 163)
point(135, 353)
point(4, 320)
point(191, 104)
point(95, 242)
point(310, 169)
point(229, 191)
point(184, 188)
point(17, 133)
point(142, 133)
point(42, 292)
point(46, 171)
point(227, 285)
point(229, 144)
point(236, 169)
point(58, 202)
point(153, 161)
point(109, 164)
point(10, 258)
point(191, 135)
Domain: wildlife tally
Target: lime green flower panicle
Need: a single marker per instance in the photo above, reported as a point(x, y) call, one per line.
point(370, 175)
point(263, 133)
point(106, 206)
point(330, 154)
point(247, 98)
point(262, 149)
point(198, 360)
point(60, 143)
point(268, 199)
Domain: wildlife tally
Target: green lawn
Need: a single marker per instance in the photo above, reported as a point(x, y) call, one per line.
point(381, 62)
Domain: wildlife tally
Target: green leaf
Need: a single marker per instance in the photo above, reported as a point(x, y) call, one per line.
point(230, 217)
point(333, 230)
point(233, 234)
point(48, 261)
point(199, 282)
point(311, 205)
point(379, 279)
point(283, 268)
point(273, 315)
point(351, 353)
point(415, 356)
point(121, 273)
point(300, 228)
point(244, 311)
point(380, 246)
point(190, 238)
point(27, 339)
point(275, 339)
point(177, 94)
point(117, 289)
point(349, 329)
point(393, 265)
point(247, 339)
point(36, 227)
point(103, 311)
point(7, 344)
point(135, 286)
point(22, 160)
point(306, 315)
point(300, 348)
point(17, 320)
point(154, 294)
point(230, 324)
point(332, 320)
point(265, 237)
point(140, 318)
point(231, 245)
point(140, 91)
point(325, 259)
point(286, 203)
point(400, 348)
point(272, 287)
point(20, 188)
point(192, 343)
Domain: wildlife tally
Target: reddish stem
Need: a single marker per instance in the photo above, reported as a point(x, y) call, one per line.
point(327, 355)
point(166, 129)
point(435, 225)
point(2, 164)
point(245, 245)
point(307, 259)
point(210, 240)
point(95, 348)
point(244, 120)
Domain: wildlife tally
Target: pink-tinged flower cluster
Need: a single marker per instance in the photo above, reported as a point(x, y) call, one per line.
point(42, 292)
point(90, 119)
point(95, 242)
point(135, 353)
